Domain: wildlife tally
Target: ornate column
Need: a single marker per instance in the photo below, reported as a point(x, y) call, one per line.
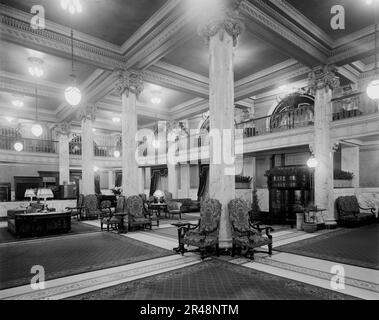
point(221, 29)
point(129, 85)
point(185, 180)
point(322, 81)
point(87, 115)
point(63, 131)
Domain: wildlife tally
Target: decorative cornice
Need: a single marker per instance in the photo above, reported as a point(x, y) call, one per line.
point(128, 82)
point(87, 112)
point(323, 77)
point(223, 19)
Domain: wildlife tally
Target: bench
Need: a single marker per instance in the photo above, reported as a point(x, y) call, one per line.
point(350, 213)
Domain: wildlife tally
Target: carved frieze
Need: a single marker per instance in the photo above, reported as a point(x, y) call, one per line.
point(63, 129)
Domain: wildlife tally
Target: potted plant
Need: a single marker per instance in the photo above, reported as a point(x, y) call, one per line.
point(255, 208)
point(343, 179)
point(243, 182)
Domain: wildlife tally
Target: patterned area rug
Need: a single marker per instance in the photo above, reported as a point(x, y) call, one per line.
point(65, 256)
point(76, 228)
point(216, 280)
point(359, 247)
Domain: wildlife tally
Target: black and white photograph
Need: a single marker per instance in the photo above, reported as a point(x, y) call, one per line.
point(189, 157)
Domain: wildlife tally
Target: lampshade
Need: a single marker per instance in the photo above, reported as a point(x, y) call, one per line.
point(159, 194)
point(373, 90)
point(312, 162)
point(73, 96)
point(45, 193)
point(37, 130)
point(29, 193)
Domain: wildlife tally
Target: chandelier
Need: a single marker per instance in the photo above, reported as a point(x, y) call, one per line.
point(73, 6)
point(72, 93)
point(373, 87)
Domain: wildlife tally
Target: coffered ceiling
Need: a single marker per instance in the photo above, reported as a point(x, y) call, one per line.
point(282, 41)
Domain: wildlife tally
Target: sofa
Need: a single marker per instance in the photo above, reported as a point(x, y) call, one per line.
point(188, 205)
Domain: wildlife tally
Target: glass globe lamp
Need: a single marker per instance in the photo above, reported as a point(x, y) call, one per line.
point(37, 130)
point(373, 90)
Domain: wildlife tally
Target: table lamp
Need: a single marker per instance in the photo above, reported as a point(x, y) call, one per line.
point(45, 194)
point(30, 193)
point(158, 195)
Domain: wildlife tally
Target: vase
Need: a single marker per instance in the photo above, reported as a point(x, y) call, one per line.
point(310, 227)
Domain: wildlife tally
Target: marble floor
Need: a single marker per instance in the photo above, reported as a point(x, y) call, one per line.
point(359, 282)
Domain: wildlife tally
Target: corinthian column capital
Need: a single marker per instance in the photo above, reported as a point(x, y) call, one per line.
point(128, 82)
point(323, 77)
point(87, 112)
point(63, 129)
point(224, 17)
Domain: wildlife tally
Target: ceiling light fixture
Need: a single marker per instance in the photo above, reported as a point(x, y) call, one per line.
point(73, 6)
point(35, 69)
point(9, 119)
point(373, 87)
point(312, 162)
point(72, 93)
point(116, 119)
point(117, 154)
point(18, 146)
point(95, 168)
point(37, 129)
point(156, 100)
point(94, 130)
point(18, 103)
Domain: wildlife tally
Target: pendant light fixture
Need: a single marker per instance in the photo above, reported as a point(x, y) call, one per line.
point(37, 129)
point(373, 87)
point(72, 93)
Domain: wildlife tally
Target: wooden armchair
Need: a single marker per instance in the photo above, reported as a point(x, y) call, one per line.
point(76, 211)
point(350, 214)
point(244, 233)
point(136, 214)
point(111, 219)
point(205, 234)
point(91, 208)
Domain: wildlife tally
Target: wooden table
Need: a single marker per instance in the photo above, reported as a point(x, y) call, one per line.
point(158, 208)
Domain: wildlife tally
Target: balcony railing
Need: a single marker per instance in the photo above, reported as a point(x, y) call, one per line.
point(293, 119)
point(29, 145)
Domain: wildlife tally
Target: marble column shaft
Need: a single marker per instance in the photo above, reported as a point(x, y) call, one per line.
point(221, 33)
point(322, 82)
point(129, 85)
point(88, 116)
point(64, 159)
point(185, 180)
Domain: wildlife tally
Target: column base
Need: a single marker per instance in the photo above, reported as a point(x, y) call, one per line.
point(330, 225)
point(225, 244)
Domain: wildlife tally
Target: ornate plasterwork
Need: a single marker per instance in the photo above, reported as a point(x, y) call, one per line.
point(63, 129)
point(323, 77)
point(222, 20)
point(87, 112)
point(128, 82)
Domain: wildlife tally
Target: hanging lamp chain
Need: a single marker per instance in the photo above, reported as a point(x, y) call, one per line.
point(72, 50)
point(376, 67)
point(36, 104)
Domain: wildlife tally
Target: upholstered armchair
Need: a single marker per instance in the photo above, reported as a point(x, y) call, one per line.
point(205, 234)
point(112, 220)
point(76, 211)
point(91, 208)
point(350, 213)
point(245, 234)
point(136, 214)
point(174, 207)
